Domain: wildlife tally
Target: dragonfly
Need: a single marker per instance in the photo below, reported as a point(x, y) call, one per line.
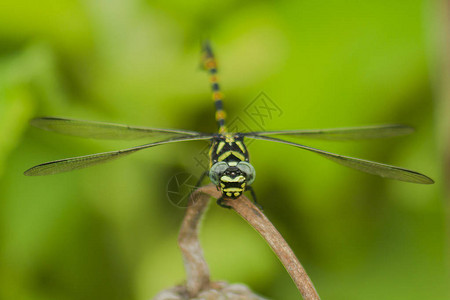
point(230, 169)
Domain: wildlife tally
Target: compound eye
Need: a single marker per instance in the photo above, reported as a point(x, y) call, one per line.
point(216, 171)
point(248, 170)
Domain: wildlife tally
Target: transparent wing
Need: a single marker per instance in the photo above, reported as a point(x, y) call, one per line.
point(367, 166)
point(107, 131)
point(75, 163)
point(349, 133)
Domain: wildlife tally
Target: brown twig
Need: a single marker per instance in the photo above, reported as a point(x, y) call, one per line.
point(251, 213)
point(196, 267)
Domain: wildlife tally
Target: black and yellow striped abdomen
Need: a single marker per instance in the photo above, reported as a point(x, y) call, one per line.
point(210, 65)
point(230, 169)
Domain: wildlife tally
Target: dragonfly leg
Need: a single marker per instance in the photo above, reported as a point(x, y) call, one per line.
point(252, 192)
point(220, 203)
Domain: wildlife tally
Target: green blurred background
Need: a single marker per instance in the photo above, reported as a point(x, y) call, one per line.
point(110, 232)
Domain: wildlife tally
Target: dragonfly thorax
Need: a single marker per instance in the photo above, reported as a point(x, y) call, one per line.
point(228, 147)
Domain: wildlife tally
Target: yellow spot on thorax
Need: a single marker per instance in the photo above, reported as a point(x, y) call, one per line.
point(220, 147)
point(229, 138)
point(241, 146)
point(228, 153)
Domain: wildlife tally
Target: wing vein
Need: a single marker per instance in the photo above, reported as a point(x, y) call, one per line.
point(102, 130)
point(79, 162)
point(367, 166)
point(348, 133)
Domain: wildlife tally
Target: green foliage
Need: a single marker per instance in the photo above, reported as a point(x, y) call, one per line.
point(109, 232)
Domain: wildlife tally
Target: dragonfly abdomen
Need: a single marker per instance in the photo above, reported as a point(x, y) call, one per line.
point(209, 63)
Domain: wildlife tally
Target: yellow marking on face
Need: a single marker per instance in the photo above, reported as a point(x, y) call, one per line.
point(229, 194)
point(229, 179)
point(222, 185)
point(236, 194)
point(232, 190)
point(243, 185)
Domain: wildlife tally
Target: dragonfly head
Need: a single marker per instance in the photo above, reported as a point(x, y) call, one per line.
point(232, 178)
